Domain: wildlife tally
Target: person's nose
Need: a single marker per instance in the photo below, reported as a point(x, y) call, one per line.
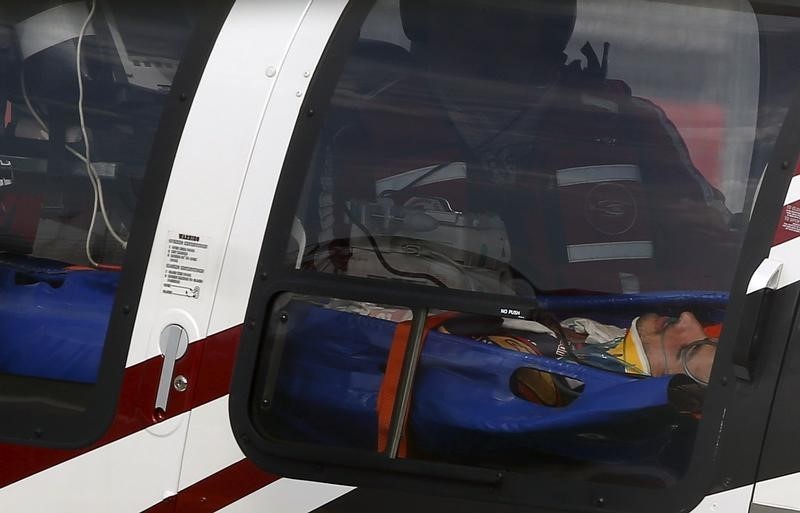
point(690, 326)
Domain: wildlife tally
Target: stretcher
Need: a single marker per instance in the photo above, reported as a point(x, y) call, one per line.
point(463, 408)
point(53, 319)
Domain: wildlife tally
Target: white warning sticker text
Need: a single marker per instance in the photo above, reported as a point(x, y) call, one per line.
point(185, 270)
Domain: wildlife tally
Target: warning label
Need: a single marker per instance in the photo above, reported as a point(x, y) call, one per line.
point(185, 270)
point(790, 224)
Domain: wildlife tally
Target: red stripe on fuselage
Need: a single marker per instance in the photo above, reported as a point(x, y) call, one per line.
point(208, 365)
point(218, 490)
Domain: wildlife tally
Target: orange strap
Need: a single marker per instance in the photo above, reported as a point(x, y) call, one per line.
point(713, 331)
point(100, 267)
point(387, 394)
point(8, 116)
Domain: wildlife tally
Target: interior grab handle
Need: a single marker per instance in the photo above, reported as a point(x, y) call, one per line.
point(299, 235)
point(766, 276)
point(763, 283)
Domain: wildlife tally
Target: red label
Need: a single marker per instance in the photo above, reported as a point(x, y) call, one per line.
point(789, 224)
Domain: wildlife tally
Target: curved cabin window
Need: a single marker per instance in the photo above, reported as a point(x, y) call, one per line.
point(82, 91)
point(595, 160)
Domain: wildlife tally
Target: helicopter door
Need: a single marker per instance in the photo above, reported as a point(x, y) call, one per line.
point(523, 254)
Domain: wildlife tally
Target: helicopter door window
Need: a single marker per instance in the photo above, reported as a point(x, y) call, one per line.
point(560, 192)
point(558, 162)
point(321, 373)
point(83, 91)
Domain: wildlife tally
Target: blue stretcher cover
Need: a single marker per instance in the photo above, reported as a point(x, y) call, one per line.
point(621, 309)
point(53, 321)
point(463, 407)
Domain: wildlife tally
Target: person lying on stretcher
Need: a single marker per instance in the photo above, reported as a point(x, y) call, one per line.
point(654, 345)
point(678, 345)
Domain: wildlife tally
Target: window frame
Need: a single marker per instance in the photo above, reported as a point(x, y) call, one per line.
point(736, 410)
point(34, 423)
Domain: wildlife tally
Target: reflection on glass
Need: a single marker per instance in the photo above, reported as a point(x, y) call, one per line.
point(325, 369)
point(79, 111)
point(524, 148)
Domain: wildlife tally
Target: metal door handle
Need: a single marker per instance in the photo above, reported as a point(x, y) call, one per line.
point(174, 341)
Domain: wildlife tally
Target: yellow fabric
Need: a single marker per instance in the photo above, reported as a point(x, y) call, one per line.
point(631, 351)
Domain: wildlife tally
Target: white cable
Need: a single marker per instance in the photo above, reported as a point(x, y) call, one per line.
point(80, 86)
point(90, 170)
point(46, 132)
point(30, 107)
point(87, 157)
point(94, 179)
point(91, 229)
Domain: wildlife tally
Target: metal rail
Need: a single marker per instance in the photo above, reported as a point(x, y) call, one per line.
point(406, 385)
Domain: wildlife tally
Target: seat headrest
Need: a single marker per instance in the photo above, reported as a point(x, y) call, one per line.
point(558, 16)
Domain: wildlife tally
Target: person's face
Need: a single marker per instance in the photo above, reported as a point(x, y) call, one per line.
point(677, 332)
point(663, 339)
